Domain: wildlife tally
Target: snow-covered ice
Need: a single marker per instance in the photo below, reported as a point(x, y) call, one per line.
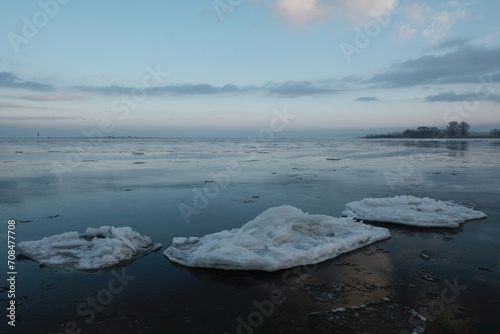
point(411, 210)
point(99, 248)
point(280, 237)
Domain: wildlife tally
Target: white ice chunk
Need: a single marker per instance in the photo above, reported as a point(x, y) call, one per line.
point(99, 248)
point(411, 210)
point(279, 238)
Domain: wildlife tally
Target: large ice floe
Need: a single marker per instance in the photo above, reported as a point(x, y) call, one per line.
point(411, 210)
point(97, 248)
point(280, 237)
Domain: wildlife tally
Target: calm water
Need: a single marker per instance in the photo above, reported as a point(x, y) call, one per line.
point(53, 186)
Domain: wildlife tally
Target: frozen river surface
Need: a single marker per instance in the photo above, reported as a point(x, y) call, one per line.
point(165, 188)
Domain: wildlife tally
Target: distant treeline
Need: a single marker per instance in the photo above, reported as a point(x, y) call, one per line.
point(495, 133)
point(452, 130)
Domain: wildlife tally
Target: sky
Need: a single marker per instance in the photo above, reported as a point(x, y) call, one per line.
point(227, 68)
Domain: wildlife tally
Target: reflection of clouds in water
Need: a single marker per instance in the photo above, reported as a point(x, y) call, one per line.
point(33, 186)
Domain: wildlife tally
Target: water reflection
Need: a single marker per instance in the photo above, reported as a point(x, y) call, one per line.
point(239, 279)
point(454, 145)
point(495, 144)
point(457, 148)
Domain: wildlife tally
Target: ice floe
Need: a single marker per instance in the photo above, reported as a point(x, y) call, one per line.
point(280, 237)
point(413, 211)
point(97, 248)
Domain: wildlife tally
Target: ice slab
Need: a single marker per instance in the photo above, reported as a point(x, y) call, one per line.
point(411, 210)
point(97, 248)
point(279, 238)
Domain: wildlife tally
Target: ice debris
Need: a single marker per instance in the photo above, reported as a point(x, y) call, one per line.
point(381, 317)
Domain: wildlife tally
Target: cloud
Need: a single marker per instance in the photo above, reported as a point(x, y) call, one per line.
point(184, 89)
point(441, 24)
point(10, 80)
point(283, 89)
point(301, 12)
point(300, 88)
point(8, 105)
point(451, 96)
point(367, 99)
point(447, 97)
point(105, 90)
point(32, 118)
point(451, 43)
point(417, 12)
point(464, 65)
point(406, 31)
point(435, 24)
point(8, 61)
point(361, 11)
point(197, 89)
point(52, 97)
